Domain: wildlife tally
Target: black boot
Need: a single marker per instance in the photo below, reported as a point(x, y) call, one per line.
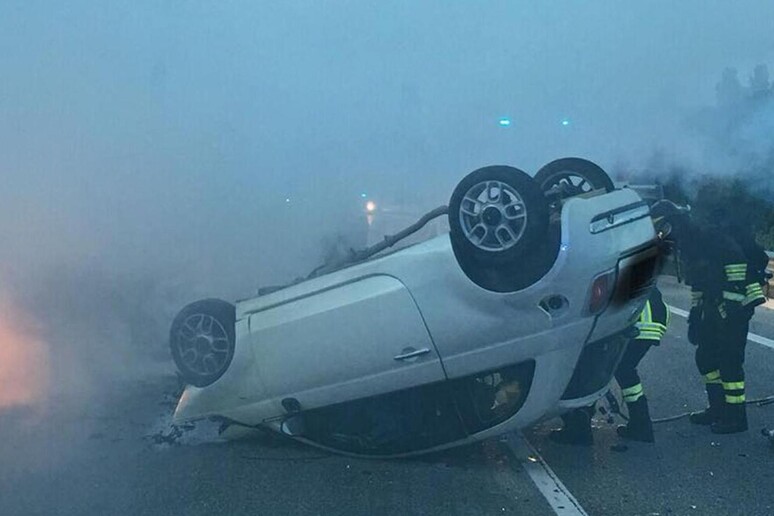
point(640, 427)
point(576, 430)
point(732, 420)
point(711, 414)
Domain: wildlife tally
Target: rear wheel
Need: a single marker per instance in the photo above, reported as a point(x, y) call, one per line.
point(202, 340)
point(498, 218)
point(568, 177)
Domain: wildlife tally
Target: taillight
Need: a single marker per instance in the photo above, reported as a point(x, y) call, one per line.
point(601, 291)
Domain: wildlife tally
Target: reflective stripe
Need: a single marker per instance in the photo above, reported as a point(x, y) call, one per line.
point(735, 400)
point(633, 393)
point(754, 294)
point(650, 333)
point(634, 389)
point(646, 316)
point(647, 335)
point(732, 296)
point(712, 377)
point(652, 326)
point(733, 386)
point(736, 272)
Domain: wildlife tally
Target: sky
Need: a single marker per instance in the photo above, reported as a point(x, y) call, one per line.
point(125, 123)
point(208, 147)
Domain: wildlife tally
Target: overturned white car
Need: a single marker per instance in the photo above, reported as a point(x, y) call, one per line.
point(519, 313)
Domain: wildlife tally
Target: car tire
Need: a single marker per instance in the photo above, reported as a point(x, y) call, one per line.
point(497, 216)
point(577, 174)
point(202, 340)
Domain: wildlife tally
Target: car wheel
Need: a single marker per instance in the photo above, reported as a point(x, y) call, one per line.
point(202, 340)
point(568, 177)
point(496, 215)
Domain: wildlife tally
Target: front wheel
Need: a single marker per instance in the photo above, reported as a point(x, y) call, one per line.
point(202, 340)
point(568, 177)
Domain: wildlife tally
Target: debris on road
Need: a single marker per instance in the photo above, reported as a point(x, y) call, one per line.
point(167, 433)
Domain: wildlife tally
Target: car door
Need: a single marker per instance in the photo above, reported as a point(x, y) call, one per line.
point(356, 340)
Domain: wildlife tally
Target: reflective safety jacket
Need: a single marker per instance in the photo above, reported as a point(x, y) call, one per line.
point(720, 273)
point(654, 319)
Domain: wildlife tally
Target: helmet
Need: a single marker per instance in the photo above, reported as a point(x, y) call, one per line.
point(669, 218)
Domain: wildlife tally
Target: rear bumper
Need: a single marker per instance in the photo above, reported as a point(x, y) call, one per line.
point(635, 279)
point(607, 343)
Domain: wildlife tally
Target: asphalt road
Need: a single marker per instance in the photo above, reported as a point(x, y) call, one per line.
point(102, 458)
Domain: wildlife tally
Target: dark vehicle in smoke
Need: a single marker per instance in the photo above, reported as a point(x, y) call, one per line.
point(519, 313)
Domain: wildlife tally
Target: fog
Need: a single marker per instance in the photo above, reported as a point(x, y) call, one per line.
point(156, 152)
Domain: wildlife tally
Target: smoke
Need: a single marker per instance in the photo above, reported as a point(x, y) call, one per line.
point(79, 321)
point(735, 134)
point(728, 141)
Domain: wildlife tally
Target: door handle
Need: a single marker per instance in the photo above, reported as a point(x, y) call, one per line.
point(412, 353)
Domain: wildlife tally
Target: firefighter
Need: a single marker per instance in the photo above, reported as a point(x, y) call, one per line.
point(652, 325)
point(725, 289)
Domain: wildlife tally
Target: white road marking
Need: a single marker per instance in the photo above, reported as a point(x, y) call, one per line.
point(677, 311)
point(752, 337)
point(553, 490)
